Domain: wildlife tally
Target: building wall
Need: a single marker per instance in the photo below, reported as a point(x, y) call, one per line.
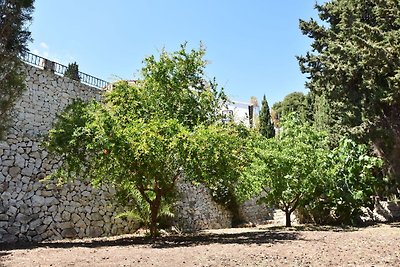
point(240, 112)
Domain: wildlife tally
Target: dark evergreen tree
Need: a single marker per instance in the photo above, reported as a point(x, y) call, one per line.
point(72, 72)
point(354, 62)
point(295, 102)
point(266, 126)
point(14, 36)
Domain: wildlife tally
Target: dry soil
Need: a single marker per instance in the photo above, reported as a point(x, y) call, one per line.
point(376, 245)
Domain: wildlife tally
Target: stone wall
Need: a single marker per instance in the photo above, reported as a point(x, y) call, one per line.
point(256, 213)
point(383, 211)
point(32, 209)
point(195, 210)
point(46, 96)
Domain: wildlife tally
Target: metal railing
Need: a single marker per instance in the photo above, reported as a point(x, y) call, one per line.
point(60, 69)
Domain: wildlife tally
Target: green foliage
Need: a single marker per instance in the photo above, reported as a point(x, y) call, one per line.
point(142, 138)
point(292, 103)
point(354, 63)
point(139, 210)
point(14, 33)
point(266, 127)
point(218, 155)
point(287, 167)
point(349, 182)
point(14, 36)
point(72, 72)
point(164, 85)
point(298, 170)
point(321, 116)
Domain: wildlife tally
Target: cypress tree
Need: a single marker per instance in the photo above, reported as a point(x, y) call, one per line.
point(266, 126)
point(72, 72)
point(14, 36)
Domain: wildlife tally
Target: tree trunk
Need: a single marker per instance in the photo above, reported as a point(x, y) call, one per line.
point(288, 222)
point(387, 145)
point(391, 155)
point(154, 209)
point(394, 161)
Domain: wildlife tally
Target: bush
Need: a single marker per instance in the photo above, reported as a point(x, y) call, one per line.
point(72, 72)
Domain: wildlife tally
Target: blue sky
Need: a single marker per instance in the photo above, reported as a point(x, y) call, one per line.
point(251, 45)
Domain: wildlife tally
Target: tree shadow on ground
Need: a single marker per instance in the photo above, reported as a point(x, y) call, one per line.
point(332, 228)
point(259, 237)
point(3, 254)
point(312, 227)
point(393, 224)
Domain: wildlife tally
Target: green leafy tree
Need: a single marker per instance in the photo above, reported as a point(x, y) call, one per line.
point(275, 113)
point(298, 171)
point(309, 107)
point(145, 136)
point(350, 179)
point(266, 127)
point(217, 159)
point(14, 36)
point(287, 168)
point(354, 63)
point(292, 103)
point(72, 72)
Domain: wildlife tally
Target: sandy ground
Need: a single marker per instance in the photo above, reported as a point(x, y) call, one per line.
point(377, 245)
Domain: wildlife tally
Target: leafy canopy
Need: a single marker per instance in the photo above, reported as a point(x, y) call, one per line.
point(72, 71)
point(354, 63)
point(349, 183)
point(292, 103)
point(144, 136)
point(287, 167)
point(172, 87)
point(298, 170)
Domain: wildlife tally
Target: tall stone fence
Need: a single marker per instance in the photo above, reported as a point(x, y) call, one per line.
point(34, 210)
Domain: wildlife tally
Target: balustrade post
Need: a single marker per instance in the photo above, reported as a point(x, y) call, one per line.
point(48, 65)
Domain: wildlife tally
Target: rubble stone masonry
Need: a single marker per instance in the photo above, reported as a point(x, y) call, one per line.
point(33, 209)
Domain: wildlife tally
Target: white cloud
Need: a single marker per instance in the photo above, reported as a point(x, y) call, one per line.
point(43, 49)
point(44, 46)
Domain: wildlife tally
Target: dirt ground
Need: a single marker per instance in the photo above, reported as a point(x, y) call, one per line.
point(377, 245)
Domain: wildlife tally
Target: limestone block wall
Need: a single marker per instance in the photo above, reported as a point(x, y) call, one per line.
point(255, 212)
point(196, 210)
point(46, 96)
point(33, 210)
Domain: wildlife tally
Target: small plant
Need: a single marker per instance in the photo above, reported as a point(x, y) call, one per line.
point(139, 209)
point(72, 72)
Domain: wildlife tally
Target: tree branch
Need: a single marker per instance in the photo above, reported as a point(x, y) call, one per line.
point(142, 191)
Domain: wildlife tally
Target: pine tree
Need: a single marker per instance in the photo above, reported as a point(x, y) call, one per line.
point(14, 36)
point(266, 126)
point(72, 72)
